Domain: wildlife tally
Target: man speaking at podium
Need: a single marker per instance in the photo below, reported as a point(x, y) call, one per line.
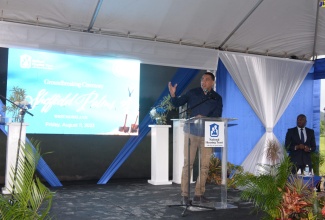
point(201, 102)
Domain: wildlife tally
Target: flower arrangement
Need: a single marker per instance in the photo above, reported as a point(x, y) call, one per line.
point(18, 104)
point(159, 113)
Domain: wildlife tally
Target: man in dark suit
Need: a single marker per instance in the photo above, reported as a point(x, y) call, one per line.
point(300, 141)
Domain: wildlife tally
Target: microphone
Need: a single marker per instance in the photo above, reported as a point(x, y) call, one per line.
point(211, 96)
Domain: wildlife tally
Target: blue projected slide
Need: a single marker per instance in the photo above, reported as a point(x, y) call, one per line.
point(76, 94)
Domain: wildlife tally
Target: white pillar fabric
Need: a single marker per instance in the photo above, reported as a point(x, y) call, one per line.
point(268, 84)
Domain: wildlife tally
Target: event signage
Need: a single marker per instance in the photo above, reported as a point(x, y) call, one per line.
point(214, 134)
point(72, 94)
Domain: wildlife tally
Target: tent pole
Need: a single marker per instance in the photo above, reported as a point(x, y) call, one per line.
point(93, 19)
point(316, 30)
point(241, 23)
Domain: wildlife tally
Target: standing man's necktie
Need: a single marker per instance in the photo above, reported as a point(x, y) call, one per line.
point(302, 137)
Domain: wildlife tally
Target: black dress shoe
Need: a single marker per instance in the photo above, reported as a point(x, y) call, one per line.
point(201, 199)
point(184, 200)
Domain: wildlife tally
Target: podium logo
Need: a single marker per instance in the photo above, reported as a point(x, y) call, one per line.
point(214, 130)
point(25, 61)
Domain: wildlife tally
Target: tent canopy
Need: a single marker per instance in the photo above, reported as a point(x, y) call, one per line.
point(275, 28)
point(184, 33)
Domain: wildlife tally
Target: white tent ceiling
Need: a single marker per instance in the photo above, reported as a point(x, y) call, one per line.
point(169, 32)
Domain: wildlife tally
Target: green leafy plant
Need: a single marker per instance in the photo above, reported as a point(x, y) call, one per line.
point(297, 199)
point(30, 198)
point(320, 205)
point(215, 168)
point(318, 159)
point(277, 192)
point(265, 190)
point(17, 96)
point(159, 113)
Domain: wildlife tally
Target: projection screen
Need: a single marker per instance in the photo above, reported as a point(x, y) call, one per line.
point(72, 94)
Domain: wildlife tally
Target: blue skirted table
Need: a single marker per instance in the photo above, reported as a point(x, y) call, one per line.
point(311, 180)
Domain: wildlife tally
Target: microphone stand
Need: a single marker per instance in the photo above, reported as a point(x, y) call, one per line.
point(22, 113)
point(198, 104)
point(189, 202)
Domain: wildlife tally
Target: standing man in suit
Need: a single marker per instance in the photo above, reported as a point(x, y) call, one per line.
point(301, 142)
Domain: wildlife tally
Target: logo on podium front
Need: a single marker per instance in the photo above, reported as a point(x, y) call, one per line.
point(214, 134)
point(214, 130)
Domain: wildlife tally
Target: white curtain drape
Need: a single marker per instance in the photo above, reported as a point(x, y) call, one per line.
point(268, 84)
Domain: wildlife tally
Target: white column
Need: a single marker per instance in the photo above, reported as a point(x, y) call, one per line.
point(178, 149)
point(159, 155)
point(14, 133)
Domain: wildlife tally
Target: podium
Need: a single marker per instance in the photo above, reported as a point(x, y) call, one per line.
point(215, 133)
point(15, 131)
point(159, 155)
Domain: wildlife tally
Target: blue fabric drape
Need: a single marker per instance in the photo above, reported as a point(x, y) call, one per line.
point(316, 112)
point(319, 73)
point(182, 77)
point(319, 69)
point(42, 167)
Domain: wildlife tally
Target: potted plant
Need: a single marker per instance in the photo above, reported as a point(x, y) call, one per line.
point(30, 198)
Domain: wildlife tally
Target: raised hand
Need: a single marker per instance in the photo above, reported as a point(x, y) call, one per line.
point(172, 89)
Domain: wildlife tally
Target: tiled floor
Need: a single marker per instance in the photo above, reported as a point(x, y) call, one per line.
point(137, 199)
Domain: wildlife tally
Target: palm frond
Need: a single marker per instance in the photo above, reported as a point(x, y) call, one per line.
point(266, 189)
point(30, 198)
